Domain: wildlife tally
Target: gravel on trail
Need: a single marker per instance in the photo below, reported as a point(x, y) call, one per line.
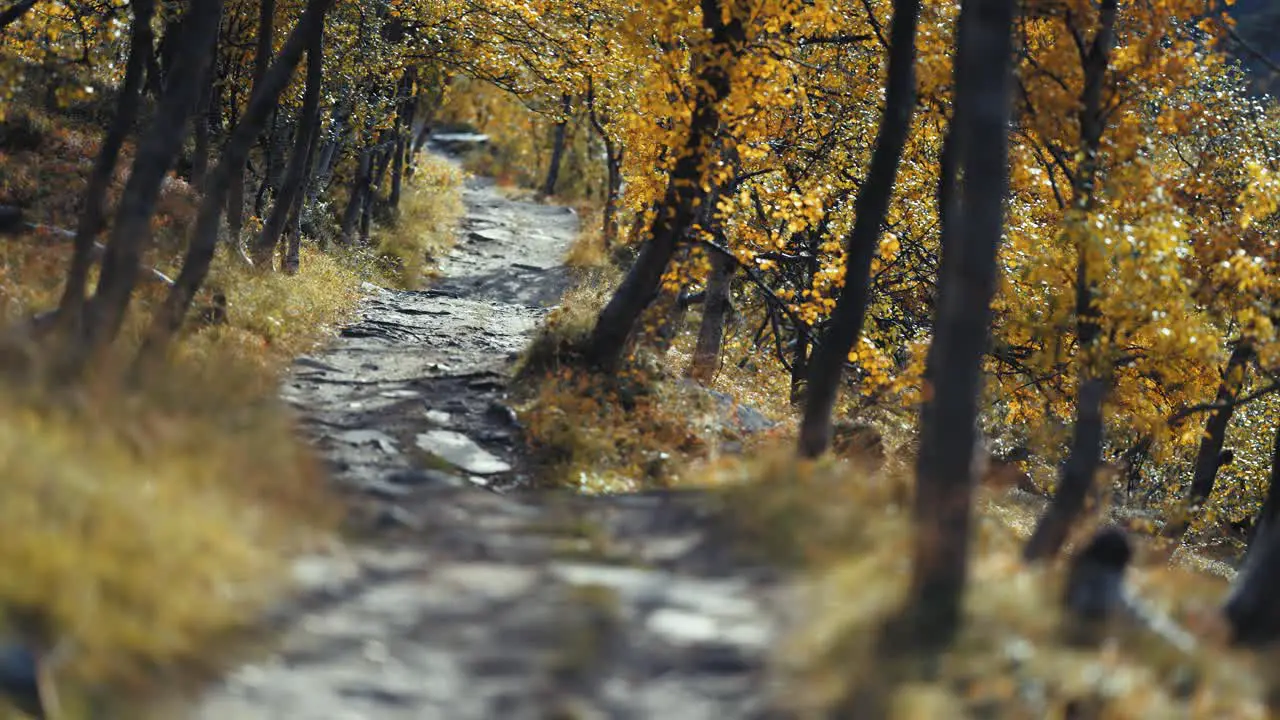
point(469, 595)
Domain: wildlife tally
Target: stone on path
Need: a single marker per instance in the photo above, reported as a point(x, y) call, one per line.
point(458, 449)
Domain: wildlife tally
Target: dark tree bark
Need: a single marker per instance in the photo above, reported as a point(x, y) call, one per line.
point(370, 197)
point(1267, 514)
point(261, 58)
point(1086, 442)
point(171, 42)
point(71, 306)
point(1209, 457)
point(559, 141)
point(382, 162)
point(826, 368)
point(155, 155)
point(1132, 461)
point(15, 12)
point(292, 260)
point(204, 239)
point(799, 367)
point(715, 309)
point(329, 146)
point(408, 132)
point(613, 191)
point(273, 162)
point(1253, 605)
point(979, 136)
point(404, 123)
point(1095, 589)
point(355, 200)
point(613, 166)
point(153, 85)
point(292, 257)
point(397, 172)
point(684, 191)
point(295, 175)
point(664, 319)
point(201, 130)
point(800, 354)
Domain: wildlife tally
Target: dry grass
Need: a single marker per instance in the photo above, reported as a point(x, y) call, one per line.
point(560, 339)
point(846, 528)
point(624, 432)
point(149, 525)
point(588, 251)
point(426, 227)
point(635, 428)
point(146, 526)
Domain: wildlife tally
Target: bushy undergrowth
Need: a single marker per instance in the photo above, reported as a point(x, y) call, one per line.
point(623, 432)
point(148, 525)
point(562, 336)
point(635, 428)
point(425, 226)
point(145, 526)
point(847, 528)
point(588, 252)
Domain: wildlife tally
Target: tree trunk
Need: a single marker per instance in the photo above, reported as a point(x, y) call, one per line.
point(204, 240)
point(979, 132)
point(382, 162)
point(367, 201)
point(802, 353)
point(155, 155)
point(663, 321)
point(293, 258)
point(613, 191)
point(558, 142)
point(613, 165)
point(799, 367)
point(409, 132)
point(154, 84)
point(71, 306)
point(272, 156)
point(706, 354)
point(200, 129)
point(1094, 379)
point(330, 149)
point(235, 210)
point(1253, 605)
point(826, 369)
point(14, 13)
point(261, 58)
point(1209, 456)
point(1132, 461)
point(355, 200)
point(683, 194)
point(397, 172)
point(170, 41)
point(295, 175)
point(1265, 519)
point(404, 125)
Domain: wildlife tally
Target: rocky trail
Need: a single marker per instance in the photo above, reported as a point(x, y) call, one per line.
point(468, 595)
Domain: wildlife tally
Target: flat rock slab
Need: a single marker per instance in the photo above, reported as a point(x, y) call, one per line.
point(460, 451)
point(462, 602)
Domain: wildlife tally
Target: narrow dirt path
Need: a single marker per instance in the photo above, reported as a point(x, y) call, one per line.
point(471, 598)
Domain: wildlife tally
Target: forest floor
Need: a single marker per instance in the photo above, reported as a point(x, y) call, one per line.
point(462, 592)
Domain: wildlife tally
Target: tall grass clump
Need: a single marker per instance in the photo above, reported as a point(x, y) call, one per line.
point(425, 226)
